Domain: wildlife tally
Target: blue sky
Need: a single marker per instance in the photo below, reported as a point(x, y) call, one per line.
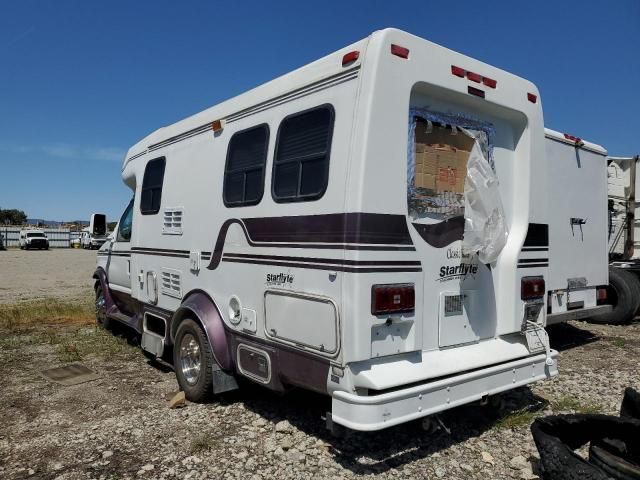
point(82, 81)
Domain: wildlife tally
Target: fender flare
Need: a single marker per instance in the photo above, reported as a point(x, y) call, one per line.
point(200, 305)
point(101, 276)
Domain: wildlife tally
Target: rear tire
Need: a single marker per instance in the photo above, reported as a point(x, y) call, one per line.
point(624, 293)
point(193, 361)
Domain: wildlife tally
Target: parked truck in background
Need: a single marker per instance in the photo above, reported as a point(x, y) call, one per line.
point(623, 241)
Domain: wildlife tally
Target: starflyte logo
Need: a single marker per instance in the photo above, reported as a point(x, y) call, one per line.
point(279, 278)
point(457, 271)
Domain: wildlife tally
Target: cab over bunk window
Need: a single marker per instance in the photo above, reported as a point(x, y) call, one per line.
point(301, 163)
point(151, 193)
point(244, 170)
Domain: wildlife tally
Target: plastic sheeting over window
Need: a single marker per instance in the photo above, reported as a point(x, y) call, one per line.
point(450, 176)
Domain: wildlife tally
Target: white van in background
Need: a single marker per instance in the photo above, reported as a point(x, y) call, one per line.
point(308, 233)
point(96, 233)
point(33, 239)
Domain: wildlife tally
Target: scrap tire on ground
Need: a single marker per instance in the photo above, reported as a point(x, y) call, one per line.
point(624, 291)
point(197, 387)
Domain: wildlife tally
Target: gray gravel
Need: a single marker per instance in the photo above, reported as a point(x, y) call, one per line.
point(121, 427)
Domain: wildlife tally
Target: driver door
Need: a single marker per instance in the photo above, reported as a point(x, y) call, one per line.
point(119, 260)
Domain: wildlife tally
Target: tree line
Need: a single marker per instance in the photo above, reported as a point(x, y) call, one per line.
point(12, 217)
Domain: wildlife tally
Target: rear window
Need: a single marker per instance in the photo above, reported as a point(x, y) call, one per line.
point(151, 194)
point(301, 162)
point(35, 234)
point(244, 170)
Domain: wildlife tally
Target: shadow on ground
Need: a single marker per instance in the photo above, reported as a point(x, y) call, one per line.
point(565, 336)
point(377, 452)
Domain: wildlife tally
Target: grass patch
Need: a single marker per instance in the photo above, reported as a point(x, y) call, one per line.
point(618, 341)
point(569, 403)
point(517, 419)
point(25, 316)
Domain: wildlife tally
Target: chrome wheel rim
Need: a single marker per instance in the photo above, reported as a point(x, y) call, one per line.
point(190, 359)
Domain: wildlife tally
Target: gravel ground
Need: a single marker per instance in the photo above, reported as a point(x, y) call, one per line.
point(31, 274)
point(120, 426)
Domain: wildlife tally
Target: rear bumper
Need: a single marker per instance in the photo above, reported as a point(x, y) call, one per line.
point(554, 318)
point(369, 413)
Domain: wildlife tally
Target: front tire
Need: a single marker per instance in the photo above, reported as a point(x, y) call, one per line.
point(101, 308)
point(624, 292)
point(193, 361)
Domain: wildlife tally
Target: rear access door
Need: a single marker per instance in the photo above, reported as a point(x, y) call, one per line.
point(578, 221)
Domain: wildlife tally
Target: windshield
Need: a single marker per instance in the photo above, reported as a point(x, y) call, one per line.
point(35, 234)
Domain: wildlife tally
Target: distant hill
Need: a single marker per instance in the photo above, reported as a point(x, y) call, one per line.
point(53, 223)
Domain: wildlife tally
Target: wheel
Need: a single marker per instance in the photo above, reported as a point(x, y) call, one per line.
point(623, 293)
point(193, 361)
point(101, 308)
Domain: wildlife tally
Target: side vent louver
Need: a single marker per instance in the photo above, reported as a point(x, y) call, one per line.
point(172, 221)
point(171, 283)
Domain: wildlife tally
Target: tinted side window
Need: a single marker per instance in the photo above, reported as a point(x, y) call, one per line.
point(124, 227)
point(301, 162)
point(151, 193)
point(244, 170)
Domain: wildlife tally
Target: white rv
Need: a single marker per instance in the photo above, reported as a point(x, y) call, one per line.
point(33, 238)
point(309, 233)
point(576, 250)
point(95, 234)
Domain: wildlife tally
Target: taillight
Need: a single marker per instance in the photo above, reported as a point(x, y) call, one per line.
point(399, 51)
point(531, 288)
point(601, 295)
point(350, 57)
point(398, 298)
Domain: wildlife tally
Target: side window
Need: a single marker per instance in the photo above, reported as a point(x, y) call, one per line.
point(124, 226)
point(301, 161)
point(244, 170)
point(151, 193)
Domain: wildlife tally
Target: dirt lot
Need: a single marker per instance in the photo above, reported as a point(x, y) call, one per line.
point(120, 426)
point(30, 274)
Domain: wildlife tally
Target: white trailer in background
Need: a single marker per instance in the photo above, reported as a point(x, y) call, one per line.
point(576, 172)
point(309, 233)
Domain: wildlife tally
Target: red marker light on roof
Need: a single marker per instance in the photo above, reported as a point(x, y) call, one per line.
point(474, 77)
point(457, 71)
point(532, 98)
point(489, 82)
point(399, 51)
point(350, 57)
point(574, 139)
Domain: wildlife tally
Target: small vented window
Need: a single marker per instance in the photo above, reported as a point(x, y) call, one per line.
point(301, 163)
point(453, 305)
point(151, 193)
point(172, 221)
point(244, 170)
point(170, 283)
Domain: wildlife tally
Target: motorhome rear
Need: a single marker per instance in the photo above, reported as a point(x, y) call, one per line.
point(309, 233)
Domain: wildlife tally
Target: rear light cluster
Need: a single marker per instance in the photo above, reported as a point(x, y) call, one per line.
point(601, 295)
point(532, 288)
point(474, 77)
point(396, 298)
